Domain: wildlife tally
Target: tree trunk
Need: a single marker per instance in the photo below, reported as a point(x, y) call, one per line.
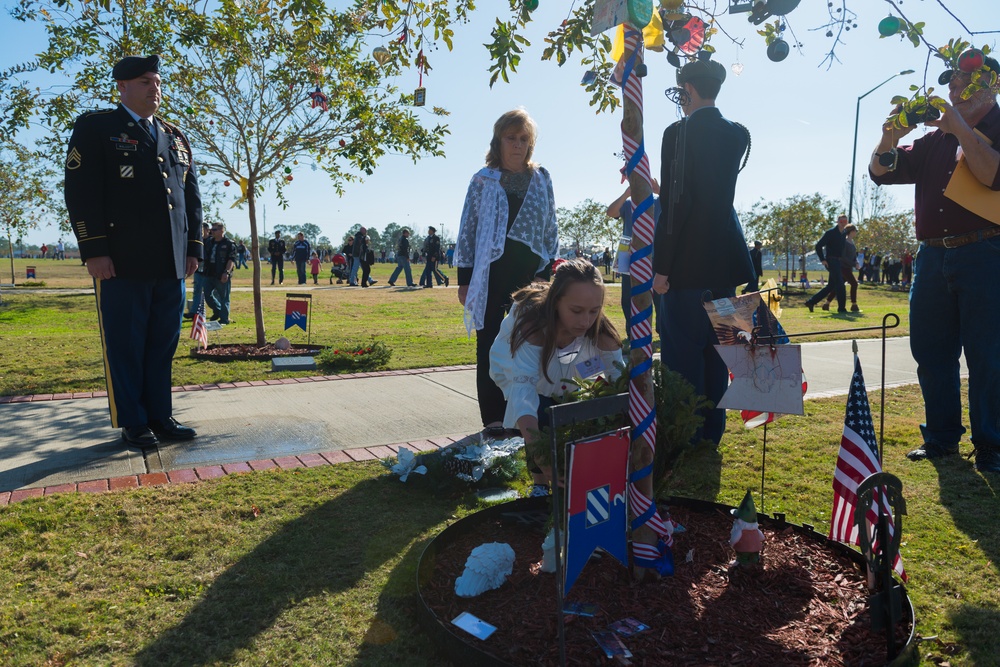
point(258, 310)
point(641, 399)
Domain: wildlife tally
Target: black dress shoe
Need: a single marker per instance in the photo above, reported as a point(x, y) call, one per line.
point(170, 429)
point(140, 436)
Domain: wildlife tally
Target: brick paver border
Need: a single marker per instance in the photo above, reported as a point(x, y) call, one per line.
point(193, 475)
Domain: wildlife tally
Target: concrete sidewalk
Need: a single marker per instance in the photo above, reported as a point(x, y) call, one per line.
point(56, 443)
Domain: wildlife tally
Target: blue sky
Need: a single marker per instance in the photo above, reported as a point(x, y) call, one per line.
point(800, 115)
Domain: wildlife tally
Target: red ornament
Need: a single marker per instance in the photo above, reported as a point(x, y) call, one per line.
point(342, 143)
point(971, 60)
point(226, 183)
point(289, 178)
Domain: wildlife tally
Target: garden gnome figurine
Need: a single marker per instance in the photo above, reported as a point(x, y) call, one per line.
point(746, 537)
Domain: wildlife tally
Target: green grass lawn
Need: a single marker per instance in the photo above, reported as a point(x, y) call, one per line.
point(52, 345)
point(186, 575)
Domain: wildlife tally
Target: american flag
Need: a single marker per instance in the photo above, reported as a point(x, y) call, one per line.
point(858, 458)
point(198, 330)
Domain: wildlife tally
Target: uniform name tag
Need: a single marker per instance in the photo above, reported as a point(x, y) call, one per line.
point(590, 367)
point(126, 171)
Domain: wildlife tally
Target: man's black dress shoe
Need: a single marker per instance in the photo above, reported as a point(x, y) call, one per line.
point(140, 436)
point(170, 429)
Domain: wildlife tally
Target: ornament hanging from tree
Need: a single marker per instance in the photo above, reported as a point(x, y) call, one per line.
point(971, 60)
point(689, 36)
point(420, 94)
point(889, 26)
point(381, 55)
point(318, 99)
point(778, 50)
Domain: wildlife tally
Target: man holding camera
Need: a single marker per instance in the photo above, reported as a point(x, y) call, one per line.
point(956, 272)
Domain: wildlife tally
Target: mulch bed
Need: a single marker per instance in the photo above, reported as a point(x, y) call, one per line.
point(807, 606)
point(247, 352)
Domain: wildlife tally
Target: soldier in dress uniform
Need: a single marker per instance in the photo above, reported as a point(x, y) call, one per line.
point(133, 201)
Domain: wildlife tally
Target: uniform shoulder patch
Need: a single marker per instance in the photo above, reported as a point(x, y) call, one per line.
point(74, 159)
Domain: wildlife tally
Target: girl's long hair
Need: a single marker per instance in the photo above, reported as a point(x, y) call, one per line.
point(536, 310)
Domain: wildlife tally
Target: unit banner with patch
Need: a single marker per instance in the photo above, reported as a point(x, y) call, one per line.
point(597, 516)
point(296, 314)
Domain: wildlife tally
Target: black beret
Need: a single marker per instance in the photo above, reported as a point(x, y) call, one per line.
point(701, 69)
point(132, 67)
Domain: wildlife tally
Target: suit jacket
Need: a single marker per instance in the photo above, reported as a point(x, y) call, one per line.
point(832, 242)
point(131, 199)
point(705, 248)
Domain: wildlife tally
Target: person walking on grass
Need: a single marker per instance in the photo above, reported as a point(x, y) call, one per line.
point(402, 260)
point(829, 250)
point(848, 262)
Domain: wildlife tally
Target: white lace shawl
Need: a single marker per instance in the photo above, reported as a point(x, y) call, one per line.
point(481, 236)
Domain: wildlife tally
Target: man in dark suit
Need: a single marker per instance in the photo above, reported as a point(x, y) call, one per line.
point(134, 204)
point(276, 249)
point(699, 251)
point(829, 249)
point(757, 259)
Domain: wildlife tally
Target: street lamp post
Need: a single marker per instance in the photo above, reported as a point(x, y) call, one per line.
point(854, 153)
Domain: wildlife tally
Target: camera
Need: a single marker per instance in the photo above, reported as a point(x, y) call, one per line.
point(922, 114)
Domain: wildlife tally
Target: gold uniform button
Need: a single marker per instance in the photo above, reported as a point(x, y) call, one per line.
point(169, 191)
point(170, 206)
point(164, 174)
point(159, 159)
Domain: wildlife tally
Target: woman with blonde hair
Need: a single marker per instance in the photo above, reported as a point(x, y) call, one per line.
point(555, 333)
point(508, 238)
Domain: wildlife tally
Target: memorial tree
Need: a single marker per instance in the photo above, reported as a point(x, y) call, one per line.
point(258, 86)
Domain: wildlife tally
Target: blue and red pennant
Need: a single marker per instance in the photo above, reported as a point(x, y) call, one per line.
point(598, 517)
point(296, 314)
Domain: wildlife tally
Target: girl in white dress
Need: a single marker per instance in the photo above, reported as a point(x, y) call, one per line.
point(554, 332)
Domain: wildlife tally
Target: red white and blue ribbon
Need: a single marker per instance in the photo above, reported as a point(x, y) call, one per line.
point(641, 414)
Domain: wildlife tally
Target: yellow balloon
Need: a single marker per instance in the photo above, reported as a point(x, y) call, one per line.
point(381, 54)
point(671, 5)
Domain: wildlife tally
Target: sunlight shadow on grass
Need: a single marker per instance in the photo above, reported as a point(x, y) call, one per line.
point(976, 626)
point(328, 550)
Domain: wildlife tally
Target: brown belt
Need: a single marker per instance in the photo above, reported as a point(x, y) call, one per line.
point(962, 239)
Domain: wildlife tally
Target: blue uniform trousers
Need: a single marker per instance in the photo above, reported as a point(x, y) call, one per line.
point(140, 323)
point(686, 346)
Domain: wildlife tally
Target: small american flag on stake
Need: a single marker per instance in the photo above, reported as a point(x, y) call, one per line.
point(198, 330)
point(858, 458)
